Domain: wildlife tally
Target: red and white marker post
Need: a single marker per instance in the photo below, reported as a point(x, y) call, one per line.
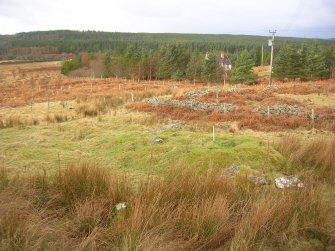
point(213, 119)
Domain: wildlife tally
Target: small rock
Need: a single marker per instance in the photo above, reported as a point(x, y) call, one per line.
point(156, 140)
point(121, 206)
point(259, 180)
point(288, 182)
point(233, 169)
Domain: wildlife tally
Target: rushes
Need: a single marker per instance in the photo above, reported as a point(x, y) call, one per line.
point(317, 155)
point(80, 182)
point(183, 210)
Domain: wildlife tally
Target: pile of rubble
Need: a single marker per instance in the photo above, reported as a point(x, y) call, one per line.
point(190, 103)
point(197, 93)
point(283, 182)
point(281, 109)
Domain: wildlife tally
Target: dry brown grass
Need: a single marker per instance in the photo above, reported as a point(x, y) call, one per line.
point(18, 121)
point(246, 100)
point(317, 155)
point(56, 117)
point(24, 84)
point(75, 209)
point(319, 87)
point(244, 116)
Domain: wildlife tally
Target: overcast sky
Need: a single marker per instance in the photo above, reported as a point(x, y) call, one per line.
point(303, 18)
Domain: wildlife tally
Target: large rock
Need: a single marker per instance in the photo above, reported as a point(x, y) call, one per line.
point(288, 182)
point(156, 140)
point(121, 206)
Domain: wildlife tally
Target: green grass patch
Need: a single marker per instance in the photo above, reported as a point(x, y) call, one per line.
point(120, 142)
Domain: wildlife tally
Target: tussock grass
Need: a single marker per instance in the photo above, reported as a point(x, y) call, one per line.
point(95, 106)
point(56, 117)
point(81, 182)
point(22, 121)
point(183, 210)
point(18, 121)
point(317, 155)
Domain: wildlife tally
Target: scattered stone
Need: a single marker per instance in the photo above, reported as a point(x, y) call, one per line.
point(196, 93)
point(170, 126)
point(259, 180)
point(190, 103)
point(233, 169)
point(288, 182)
point(121, 206)
point(281, 109)
point(156, 140)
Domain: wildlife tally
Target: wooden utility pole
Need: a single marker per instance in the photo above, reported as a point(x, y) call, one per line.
point(271, 43)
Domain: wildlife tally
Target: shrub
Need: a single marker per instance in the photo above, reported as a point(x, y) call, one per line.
point(69, 65)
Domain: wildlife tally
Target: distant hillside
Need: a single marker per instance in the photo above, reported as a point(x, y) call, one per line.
point(67, 41)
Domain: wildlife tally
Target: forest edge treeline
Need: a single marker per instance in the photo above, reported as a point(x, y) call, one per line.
point(177, 56)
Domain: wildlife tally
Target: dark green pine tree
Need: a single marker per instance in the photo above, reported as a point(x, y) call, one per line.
point(303, 53)
point(243, 69)
point(289, 63)
point(193, 70)
point(295, 63)
point(281, 69)
point(108, 64)
point(132, 61)
point(316, 63)
point(329, 54)
point(211, 70)
point(173, 62)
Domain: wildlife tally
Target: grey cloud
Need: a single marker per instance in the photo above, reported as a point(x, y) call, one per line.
point(292, 17)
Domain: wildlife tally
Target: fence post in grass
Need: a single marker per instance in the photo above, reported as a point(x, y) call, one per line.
point(132, 97)
point(268, 111)
point(217, 97)
point(313, 118)
point(213, 126)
